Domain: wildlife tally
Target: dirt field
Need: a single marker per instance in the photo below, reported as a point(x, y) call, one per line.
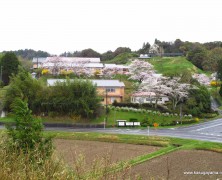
point(94, 149)
point(176, 163)
point(180, 162)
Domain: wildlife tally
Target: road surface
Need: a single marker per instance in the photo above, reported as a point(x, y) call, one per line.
point(208, 131)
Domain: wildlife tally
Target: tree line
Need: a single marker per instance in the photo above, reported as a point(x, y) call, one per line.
point(204, 55)
point(29, 54)
point(92, 53)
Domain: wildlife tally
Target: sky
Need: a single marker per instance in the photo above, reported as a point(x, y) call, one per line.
point(57, 26)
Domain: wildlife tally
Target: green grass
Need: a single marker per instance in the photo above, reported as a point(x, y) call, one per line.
point(121, 115)
point(157, 153)
point(171, 66)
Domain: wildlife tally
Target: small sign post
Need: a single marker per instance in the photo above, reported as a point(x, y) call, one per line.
point(104, 123)
point(148, 130)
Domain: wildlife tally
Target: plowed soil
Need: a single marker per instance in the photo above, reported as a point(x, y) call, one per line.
point(182, 165)
point(178, 165)
point(91, 150)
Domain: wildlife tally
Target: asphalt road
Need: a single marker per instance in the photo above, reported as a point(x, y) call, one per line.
point(208, 131)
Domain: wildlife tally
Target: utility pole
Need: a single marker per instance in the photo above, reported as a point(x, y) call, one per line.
point(181, 112)
point(106, 106)
point(1, 72)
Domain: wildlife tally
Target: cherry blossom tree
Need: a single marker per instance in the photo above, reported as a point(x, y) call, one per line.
point(171, 87)
point(109, 72)
point(55, 64)
point(202, 79)
point(177, 91)
point(80, 68)
point(156, 86)
point(140, 70)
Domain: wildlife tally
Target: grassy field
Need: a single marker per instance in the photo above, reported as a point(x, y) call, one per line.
point(120, 115)
point(170, 66)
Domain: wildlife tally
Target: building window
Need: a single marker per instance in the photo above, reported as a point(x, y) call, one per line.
point(110, 89)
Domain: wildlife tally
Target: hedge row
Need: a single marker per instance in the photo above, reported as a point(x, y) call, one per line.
point(147, 106)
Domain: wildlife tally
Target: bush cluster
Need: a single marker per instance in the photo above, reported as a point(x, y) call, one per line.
point(78, 97)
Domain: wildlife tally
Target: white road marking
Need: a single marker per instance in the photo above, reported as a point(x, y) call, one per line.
point(208, 127)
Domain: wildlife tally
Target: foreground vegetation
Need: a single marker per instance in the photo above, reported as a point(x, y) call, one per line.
point(16, 163)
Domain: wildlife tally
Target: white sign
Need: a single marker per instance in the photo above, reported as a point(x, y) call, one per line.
point(121, 123)
point(129, 123)
point(136, 123)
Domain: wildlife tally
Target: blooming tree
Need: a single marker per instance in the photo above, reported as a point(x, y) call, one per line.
point(156, 86)
point(55, 63)
point(202, 79)
point(177, 91)
point(171, 87)
point(109, 72)
point(140, 70)
point(79, 68)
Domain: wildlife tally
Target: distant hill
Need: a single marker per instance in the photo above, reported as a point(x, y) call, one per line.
point(173, 66)
point(122, 58)
point(30, 53)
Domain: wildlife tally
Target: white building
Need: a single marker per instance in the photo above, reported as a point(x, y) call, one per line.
point(91, 65)
point(62, 61)
point(148, 97)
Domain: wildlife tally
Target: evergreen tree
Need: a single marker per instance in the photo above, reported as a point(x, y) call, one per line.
point(28, 131)
point(9, 66)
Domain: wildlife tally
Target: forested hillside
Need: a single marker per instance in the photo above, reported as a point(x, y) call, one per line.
point(28, 54)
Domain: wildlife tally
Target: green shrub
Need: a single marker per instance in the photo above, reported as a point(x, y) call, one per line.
point(144, 122)
point(28, 132)
point(133, 120)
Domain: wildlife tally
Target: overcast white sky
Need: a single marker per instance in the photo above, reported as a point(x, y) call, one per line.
point(57, 26)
